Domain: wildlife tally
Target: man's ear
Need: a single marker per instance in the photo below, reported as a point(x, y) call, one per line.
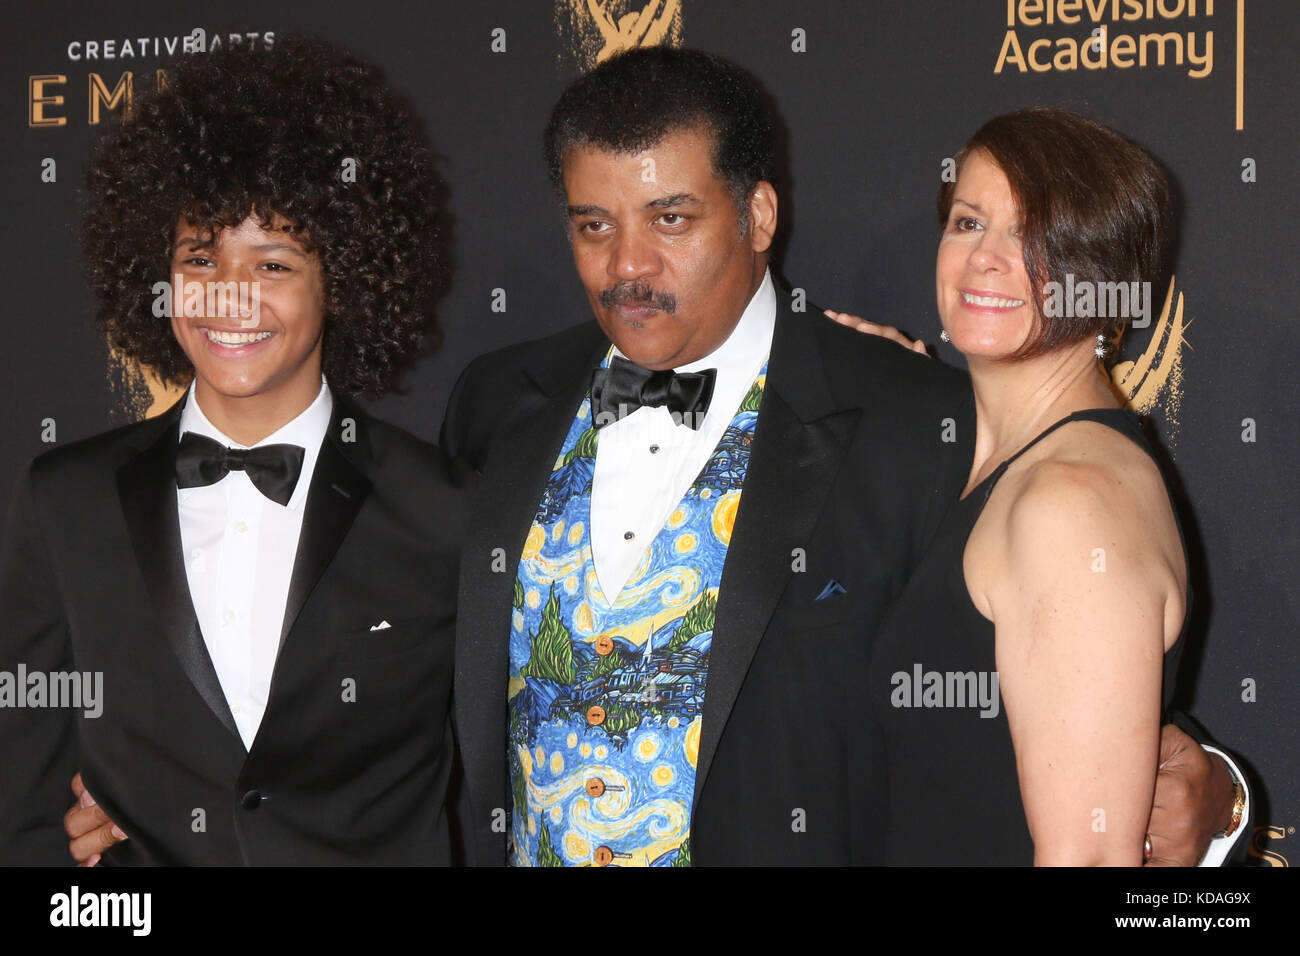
point(762, 216)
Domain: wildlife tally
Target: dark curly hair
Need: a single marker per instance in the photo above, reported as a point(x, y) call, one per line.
point(633, 100)
point(243, 132)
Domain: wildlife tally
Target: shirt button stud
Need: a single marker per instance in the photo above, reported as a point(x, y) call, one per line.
point(654, 449)
point(240, 527)
point(628, 536)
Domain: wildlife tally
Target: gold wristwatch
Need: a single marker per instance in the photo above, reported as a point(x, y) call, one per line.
point(1238, 808)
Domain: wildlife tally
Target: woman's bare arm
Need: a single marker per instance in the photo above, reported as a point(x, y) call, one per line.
point(1084, 607)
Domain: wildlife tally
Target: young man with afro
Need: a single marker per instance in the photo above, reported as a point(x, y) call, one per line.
point(262, 579)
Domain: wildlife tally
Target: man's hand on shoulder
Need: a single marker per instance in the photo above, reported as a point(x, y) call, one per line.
point(874, 328)
point(90, 831)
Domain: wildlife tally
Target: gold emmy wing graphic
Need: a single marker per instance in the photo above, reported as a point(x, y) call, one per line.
point(595, 30)
point(1155, 379)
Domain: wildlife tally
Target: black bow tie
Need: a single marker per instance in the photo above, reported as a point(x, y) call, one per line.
point(625, 386)
point(273, 469)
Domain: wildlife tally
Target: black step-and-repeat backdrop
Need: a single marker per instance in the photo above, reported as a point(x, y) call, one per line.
point(874, 96)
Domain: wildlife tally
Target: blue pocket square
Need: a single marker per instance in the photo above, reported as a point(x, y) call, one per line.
point(832, 588)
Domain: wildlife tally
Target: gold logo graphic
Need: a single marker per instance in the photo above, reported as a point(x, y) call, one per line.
point(1155, 379)
point(598, 29)
point(53, 100)
point(1260, 840)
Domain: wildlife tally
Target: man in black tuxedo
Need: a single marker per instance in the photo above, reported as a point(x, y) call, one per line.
point(263, 577)
point(664, 158)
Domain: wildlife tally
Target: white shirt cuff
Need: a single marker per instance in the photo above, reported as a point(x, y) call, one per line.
point(1221, 846)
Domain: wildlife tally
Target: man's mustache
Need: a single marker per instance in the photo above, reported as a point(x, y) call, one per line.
point(638, 293)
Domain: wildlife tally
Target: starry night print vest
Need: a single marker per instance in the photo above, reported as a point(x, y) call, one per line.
point(606, 694)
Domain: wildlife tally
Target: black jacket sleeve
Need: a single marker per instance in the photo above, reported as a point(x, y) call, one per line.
point(37, 744)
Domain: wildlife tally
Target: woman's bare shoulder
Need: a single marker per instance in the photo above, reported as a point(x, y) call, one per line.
point(1086, 497)
point(1089, 473)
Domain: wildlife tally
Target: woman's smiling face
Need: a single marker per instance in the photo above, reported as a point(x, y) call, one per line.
point(985, 298)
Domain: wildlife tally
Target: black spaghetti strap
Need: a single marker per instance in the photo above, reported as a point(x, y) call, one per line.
point(1073, 416)
point(1103, 416)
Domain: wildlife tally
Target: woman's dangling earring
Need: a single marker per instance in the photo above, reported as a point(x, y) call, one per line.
point(1101, 349)
point(944, 336)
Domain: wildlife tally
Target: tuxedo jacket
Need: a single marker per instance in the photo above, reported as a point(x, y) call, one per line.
point(352, 757)
point(860, 447)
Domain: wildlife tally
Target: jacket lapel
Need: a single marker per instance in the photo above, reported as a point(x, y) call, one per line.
point(515, 470)
point(147, 490)
point(798, 447)
point(338, 489)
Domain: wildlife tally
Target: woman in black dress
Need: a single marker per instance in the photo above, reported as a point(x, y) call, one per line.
point(1021, 677)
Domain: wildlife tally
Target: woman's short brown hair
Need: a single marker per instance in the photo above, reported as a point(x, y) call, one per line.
point(1091, 204)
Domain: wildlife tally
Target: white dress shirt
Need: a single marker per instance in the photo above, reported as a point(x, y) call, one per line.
point(239, 548)
point(645, 462)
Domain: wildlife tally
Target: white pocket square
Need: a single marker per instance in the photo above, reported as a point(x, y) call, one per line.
point(381, 626)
